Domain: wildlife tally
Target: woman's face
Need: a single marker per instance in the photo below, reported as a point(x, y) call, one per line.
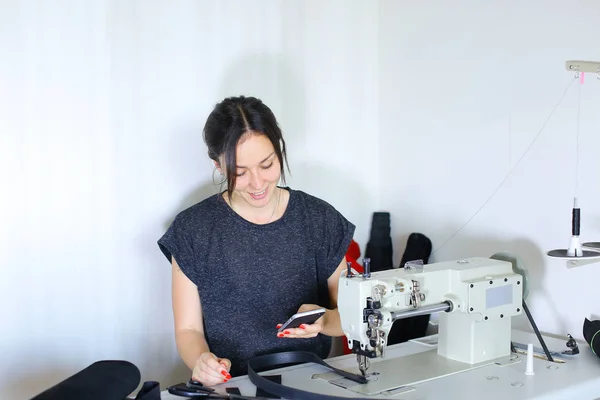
point(258, 170)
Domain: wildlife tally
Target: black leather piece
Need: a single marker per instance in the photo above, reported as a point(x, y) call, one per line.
point(233, 390)
point(260, 392)
point(418, 247)
point(591, 334)
point(379, 248)
point(380, 255)
point(150, 391)
point(270, 361)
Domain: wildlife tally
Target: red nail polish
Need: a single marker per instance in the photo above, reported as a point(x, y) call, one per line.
point(286, 332)
point(302, 326)
point(280, 334)
point(278, 326)
point(224, 373)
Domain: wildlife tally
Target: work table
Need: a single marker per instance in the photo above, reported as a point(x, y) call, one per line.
point(577, 378)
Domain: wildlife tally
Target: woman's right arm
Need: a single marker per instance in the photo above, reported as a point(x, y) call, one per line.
point(189, 332)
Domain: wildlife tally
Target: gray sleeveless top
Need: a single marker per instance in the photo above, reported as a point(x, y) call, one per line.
point(251, 277)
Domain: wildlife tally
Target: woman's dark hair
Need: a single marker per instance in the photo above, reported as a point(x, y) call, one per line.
point(229, 121)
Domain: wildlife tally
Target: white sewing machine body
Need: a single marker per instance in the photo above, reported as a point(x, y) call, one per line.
point(476, 298)
point(473, 358)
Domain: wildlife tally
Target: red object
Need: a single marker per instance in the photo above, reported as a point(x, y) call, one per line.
point(353, 250)
point(352, 255)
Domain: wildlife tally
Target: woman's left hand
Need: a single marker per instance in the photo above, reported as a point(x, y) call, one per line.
point(305, 330)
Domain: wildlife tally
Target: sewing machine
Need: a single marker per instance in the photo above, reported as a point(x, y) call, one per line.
point(475, 299)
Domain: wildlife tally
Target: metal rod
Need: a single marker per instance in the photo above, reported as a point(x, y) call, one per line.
point(537, 332)
point(422, 311)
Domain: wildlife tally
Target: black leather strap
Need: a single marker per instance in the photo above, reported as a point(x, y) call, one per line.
point(150, 391)
point(270, 361)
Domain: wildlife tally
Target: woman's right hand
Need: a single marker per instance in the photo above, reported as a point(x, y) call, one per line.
point(211, 370)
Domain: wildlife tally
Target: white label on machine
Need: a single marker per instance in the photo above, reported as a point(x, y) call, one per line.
point(498, 296)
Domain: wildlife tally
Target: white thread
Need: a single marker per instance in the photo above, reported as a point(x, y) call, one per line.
point(511, 170)
point(509, 141)
point(577, 143)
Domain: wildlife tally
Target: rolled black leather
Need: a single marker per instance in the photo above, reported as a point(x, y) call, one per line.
point(418, 247)
point(102, 380)
point(591, 333)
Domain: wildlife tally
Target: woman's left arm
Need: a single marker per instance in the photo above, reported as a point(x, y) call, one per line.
point(329, 324)
point(331, 320)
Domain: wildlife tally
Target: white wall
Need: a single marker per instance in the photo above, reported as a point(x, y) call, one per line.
point(101, 109)
point(464, 90)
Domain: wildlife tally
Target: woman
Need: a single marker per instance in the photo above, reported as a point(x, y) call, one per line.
point(245, 260)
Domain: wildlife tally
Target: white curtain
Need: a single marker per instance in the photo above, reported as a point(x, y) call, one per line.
point(102, 105)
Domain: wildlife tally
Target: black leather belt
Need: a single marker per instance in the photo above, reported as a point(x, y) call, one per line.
point(270, 361)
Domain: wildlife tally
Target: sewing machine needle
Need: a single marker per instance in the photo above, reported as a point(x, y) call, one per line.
point(362, 364)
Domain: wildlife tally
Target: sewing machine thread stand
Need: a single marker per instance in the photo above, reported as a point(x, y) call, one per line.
point(367, 267)
point(529, 368)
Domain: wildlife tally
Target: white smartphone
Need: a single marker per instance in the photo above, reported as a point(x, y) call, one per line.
point(306, 317)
